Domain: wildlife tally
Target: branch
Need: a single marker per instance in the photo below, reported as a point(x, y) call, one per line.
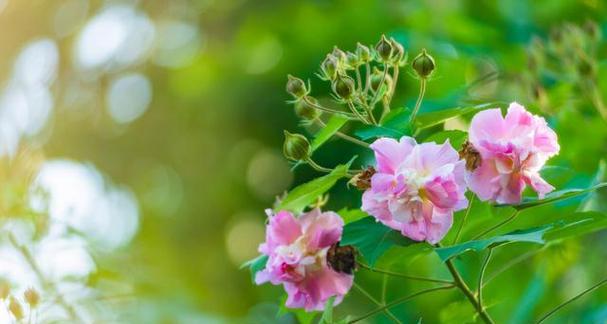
point(572, 299)
point(401, 275)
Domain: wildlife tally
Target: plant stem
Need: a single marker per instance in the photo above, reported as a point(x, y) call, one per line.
point(328, 110)
point(395, 70)
point(572, 299)
point(510, 264)
point(376, 302)
point(502, 223)
point(369, 112)
point(420, 97)
point(381, 84)
point(45, 282)
point(399, 301)
point(344, 136)
point(357, 113)
point(367, 78)
point(317, 167)
point(479, 290)
point(359, 80)
point(461, 284)
point(461, 226)
point(400, 275)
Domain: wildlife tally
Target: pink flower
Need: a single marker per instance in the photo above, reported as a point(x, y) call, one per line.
point(416, 188)
point(513, 150)
point(297, 250)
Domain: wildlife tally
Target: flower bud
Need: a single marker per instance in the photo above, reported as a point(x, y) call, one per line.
point(384, 49)
point(376, 77)
point(592, 30)
point(339, 54)
point(363, 53)
point(585, 67)
point(423, 64)
point(399, 51)
point(306, 111)
point(296, 87)
point(296, 147)
point(5, 289)
point(343, 86)
point(352, 60)
point(32, 297)
point(15, 308)
point(329, 67)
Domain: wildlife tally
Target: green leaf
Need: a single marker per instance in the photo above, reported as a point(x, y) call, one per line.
point(351, 215)
point(533, 235)
point(333, 125)
point(327, 315)
point(438, 117)
point(305, 194)
point(577, 224)
point(255, 265)
point(555, 197)
point(455, 137)
point(394, 125)
point(372, 238)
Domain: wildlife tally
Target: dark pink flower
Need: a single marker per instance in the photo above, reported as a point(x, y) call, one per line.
point(416, 188)
point(297, 250)
point(513, 150)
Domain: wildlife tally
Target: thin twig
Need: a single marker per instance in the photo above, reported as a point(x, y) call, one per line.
point(357, 113)
point(461, 226)
point(502, 223)
point(420, 97)
point(381, 84)
point(344, 136)
point(317, 167)
point(399, 301)
point(377, 303)
point(367, 78)
point(463, 287)
point(510, 264)
point(328, 110)
point(480, 278)
point(400, 275)
point(572, 299)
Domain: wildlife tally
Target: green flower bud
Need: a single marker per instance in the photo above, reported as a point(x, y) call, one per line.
point(352, 60)
point(399, 51)
point(296, 87)
point(384, 49)
point(329, 67)
point(376, 77)
point(423, 64)
point(32, 297)
point(343, 86)
point(592, 30)
point(15, 308)
point(339, 54)
point(585, 67)
point(363, 53)
point(306, 111)
point(296, 147)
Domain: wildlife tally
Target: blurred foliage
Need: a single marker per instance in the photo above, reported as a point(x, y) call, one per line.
point(204, 159)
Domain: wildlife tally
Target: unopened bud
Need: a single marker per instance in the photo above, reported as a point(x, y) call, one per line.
point(399, 51)
point(306, 111)
point(15, 308)
point(339, 54)
point(296, 87)
point(592, 30)
point(329, 67)
point(352, 60)
point(32, 297)
point(585, 67)
point(5, 289)
point(363, 53)
point(423, 64)
point(376, 78)
point(384, 49)
point(296, 147)
point(343, 86)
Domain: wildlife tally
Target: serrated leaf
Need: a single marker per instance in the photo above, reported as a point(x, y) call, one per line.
point(577, 224)
point(430, 119)
point(372, 238)
point(351, 215)
point(394, 125)
point(305, 194)
point(333, 125)
point(455, 137)
point(255, 265)
point(533, 235)
point(555, 197)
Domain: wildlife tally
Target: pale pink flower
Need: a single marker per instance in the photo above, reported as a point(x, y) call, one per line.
point(416, 188)
point(513, 150)
point(297, 249)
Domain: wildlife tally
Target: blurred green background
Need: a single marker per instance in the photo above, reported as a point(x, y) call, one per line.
point(182, 104)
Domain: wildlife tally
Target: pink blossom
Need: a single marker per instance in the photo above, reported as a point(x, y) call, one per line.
point(513, 150)
point(416, 188)
point(297, 250)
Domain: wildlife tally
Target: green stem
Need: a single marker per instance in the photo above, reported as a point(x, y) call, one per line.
point(381, 84)
point(344, 136)
point(461, 284)
point(367, 78)
point(420, 97)
point(329, 110)
point(461, 226)
point(502, 223)
point(572, 299)
point(369, 112)
point(398, 301)
point(392, 90)
point(317, 167)
point(400, 275)
point(357, 113)
point(479, 290)
point(377, 303)
point(510, 264)
point(359, 80)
